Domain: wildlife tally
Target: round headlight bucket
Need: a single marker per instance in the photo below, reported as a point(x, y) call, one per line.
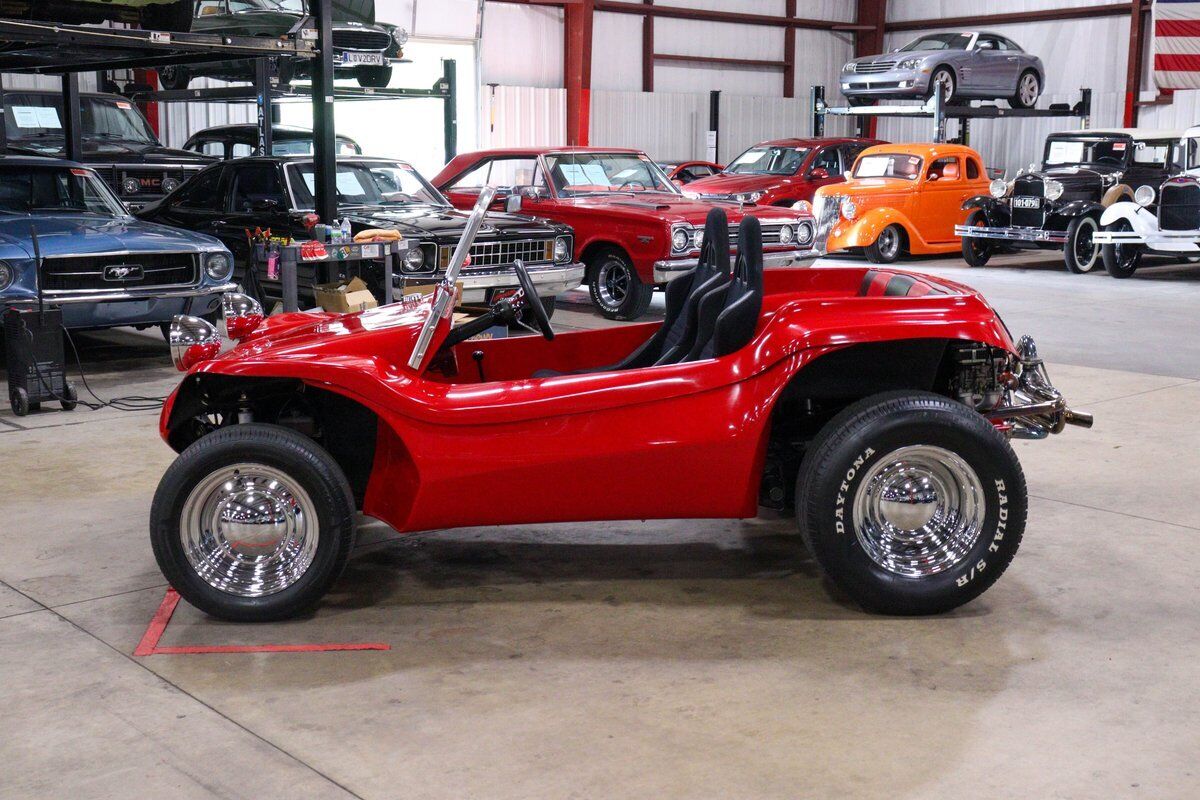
point(681, 240)
point(218, 266)
point(414, 259)
point(400, 35)
point(192, 340)
point(7, 275)
point(698, 238)
point(998, 188)
point(1144, 196)
point(1054, 189)
point(803, 206)
point(130, 186)
point(562, 249)
point(242, 313)
point(804, 233)
point(785, 234)
point(169, 185)
point(849, 210)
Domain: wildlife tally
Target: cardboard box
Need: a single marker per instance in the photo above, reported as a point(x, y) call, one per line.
point(344, 296)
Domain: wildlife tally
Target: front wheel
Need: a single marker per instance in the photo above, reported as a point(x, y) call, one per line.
point(1029, 88)
point(976, 251)
point(911, 502)
point(616, 289)
point(253, 523)
point(1122, 260)
point(174, 77)
point(943, 80)
point(1080, 253)
point(886, 247)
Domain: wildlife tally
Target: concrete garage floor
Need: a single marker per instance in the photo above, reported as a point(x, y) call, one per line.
point(636, 660)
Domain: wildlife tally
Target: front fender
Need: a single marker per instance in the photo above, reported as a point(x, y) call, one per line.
point(1079, 208)
point(984, 201)
point(1140, 219)
point(865, 230)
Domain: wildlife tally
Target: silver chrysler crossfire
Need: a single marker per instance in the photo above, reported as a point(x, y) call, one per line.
point(964, 65)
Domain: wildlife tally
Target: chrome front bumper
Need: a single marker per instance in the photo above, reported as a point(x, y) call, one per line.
point(1032, 408)
point(668, 269)
point(893, 83)
point(1160, 237)
point(116, 296)
point(1011, 234)
point(550, 280)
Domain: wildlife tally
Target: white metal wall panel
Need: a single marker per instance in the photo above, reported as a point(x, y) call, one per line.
point(1182, 112)
point(522, 45)
point(516, 116)
point(746, 121)
point(665, 125)
point(902, 10)
point(442, 19)
point(617, 52)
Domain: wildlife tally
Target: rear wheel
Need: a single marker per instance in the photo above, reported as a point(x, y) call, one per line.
point(887, 246)
point(911, 503)
point(615, 287)
point(174, 77)
point(1122, 260)
point(252, 523)
point(856, 102)
point(1029, 88)
point(976, 251)
point(374, 77)
point(175, 17)
point(1081, 253)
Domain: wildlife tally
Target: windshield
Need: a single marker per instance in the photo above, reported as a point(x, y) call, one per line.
point(51, 190)
point(888, 165)
point(1071, 152)
point(367, 183)
point(768, 161)
point(939, 41)
point(576, 174)
point(33, 118)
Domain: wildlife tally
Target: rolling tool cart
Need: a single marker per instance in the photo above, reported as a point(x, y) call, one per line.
point(36, 362)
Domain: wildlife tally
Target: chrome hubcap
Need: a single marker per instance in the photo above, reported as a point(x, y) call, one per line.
point(918, 511)
point(249, 530)
point(889, 242)
point(613, 283)
point(1029, 89)
point(945, 84)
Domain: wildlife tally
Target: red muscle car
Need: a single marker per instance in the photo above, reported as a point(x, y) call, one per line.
point(634, 230)
point(783, 172)
point(682, 173)
point(878, 405)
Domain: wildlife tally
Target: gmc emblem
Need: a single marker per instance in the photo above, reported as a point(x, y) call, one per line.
point(123, 272)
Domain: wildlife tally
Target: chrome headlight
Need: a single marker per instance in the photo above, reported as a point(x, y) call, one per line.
point(1144, 196)
point(998, 188)
point(414, 259)
point(785, 234)
point(242, 313)
point(130, 186)
point(681, 239)
point(192, 340)
point(169, 185)
point(562, 249)
point(218, 266)
point(850, 66)
point(849, 210)
point(7, 275)
point(698, 238)
point(749, 197)
point(1053, 189)
point(909, 63)
point(400, 35)
point(804, 233)
point(803, 205)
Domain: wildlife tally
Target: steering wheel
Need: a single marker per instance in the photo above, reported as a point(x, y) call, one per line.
point(532, 302)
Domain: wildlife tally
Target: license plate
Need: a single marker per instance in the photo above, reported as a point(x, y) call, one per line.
point(375, 59)
point(1027, 202)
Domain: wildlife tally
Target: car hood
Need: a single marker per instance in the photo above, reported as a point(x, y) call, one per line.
point(673, 208)
point(84, 234)
point(447, 224)
point(99, 151)
point(869, 187)
point(1077, 176)
point(736, 184)
point(892, 57)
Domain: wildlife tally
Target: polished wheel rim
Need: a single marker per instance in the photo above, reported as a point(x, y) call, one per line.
point(1029, 89)
point(249, 530)
point(945, 84)
point(1126, 253)
point(889, 243)
point(919, 511)
point(613, 283)
point(1085, 249)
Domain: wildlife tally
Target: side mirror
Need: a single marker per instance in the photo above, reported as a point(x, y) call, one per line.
point(933, 176)
point(265, 206)
point(512, 203)
point(818, 174)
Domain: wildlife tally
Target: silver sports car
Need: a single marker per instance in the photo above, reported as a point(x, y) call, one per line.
point(963, 64)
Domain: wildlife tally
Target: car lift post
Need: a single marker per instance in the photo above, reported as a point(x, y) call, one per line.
point(450, 107)
point(266, 116)
point(324, 145)
point(72, 127)
point(817, 95)
point(3, 121)
point(712, 149)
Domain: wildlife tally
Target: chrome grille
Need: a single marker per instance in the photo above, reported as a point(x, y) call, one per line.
point(152, 181)
point(88, 273)
point(353, 39)
point(487, 255)
point(1179, 207)
point(875, 68)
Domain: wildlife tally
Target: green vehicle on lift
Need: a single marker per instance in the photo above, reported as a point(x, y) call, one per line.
point(158, 15)
point(362, 48)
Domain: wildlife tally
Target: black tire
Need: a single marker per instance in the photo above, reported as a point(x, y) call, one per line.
point(887, 247)
point(174, 77)
point(940, 75)
point(616, 290)
point(852, 454)
point(70, 398)
point(1121, 260)
point(1017, 101)
point(18, 399)
point(373, 77)
point(858, 102)
point(976, 252)
point(175, 17)
point(549, 304)
point(1080, 254)
point(302, 461)
point(285, 71)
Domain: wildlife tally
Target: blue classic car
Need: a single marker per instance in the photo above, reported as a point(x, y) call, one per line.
point(99, 264)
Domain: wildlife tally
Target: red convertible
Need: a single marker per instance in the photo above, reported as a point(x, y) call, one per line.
point(878, 405)
point(634, 230)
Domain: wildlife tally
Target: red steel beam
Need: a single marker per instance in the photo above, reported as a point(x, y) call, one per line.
point(1137, 59)
point(789, 53)
point(577, 68)
point(731, 62)
point(648, 50)
point(981, 20)
point(872, 18)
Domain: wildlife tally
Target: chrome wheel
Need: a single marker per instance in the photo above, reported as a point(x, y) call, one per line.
point(888, 243)
point(943, 82)
point(919, 511)
point(1028, 89)
point(249, 530)
point(612, 282)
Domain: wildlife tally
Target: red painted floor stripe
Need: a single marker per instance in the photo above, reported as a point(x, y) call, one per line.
point(148, 646)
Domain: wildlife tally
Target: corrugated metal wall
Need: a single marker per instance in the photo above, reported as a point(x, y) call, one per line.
point(747, 120)
point(513, 116)
point(181, 120)
point(666, 125)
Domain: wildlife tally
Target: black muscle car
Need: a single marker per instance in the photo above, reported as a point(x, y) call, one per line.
point(1059, 205)
point(241, 140)
point(117, 142)
point(362, 48)
point(277, 193)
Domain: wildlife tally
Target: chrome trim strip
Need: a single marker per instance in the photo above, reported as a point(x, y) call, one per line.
point(149, 294)
point(1133, 237)
point(670, 268)
point(1011, 234)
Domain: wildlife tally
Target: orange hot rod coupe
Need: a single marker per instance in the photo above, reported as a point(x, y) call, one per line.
point(878, 405)
point(902, 199)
